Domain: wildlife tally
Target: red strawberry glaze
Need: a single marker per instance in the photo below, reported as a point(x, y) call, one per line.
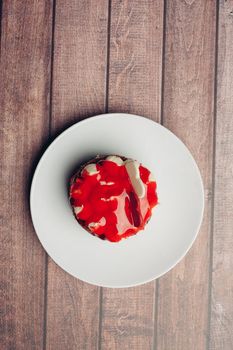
point(107, 204)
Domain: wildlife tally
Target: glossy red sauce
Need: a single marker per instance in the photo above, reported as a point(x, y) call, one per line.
point(112, 211)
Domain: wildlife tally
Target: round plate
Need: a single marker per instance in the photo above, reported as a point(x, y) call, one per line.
point(168, 235)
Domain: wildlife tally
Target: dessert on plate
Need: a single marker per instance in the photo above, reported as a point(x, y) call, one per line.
point(112, 197)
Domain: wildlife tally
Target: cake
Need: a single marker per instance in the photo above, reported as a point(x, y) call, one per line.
point(112, 197)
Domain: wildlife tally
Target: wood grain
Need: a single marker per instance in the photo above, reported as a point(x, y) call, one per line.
point(188, 112)
point(80, 58)
point(222, 279)
point(136, 57)
point(25, 78)
point(80, 51)
point(128, 318)
point(135, 66)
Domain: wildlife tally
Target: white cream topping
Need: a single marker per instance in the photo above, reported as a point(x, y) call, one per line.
point(78, 210)
point(115, 159)
point(107, 183)
point(101, 222)
point(151, 178)
point(122, 219)
point(91, 169)
point(132, 168)
point(108, 199)
point(92, 225)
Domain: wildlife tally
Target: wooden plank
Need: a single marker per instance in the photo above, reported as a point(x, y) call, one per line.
point(80, 56)
point(188, 112)
point(78, 91)
point(134, 87)
point(136, 57)
point(221, 330)
point(128, 318)
point(24, 110)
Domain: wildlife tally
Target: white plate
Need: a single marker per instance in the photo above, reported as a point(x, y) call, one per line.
point(172, 228)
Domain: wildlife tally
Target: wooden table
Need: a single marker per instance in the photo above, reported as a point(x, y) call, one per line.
point(62, 61)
